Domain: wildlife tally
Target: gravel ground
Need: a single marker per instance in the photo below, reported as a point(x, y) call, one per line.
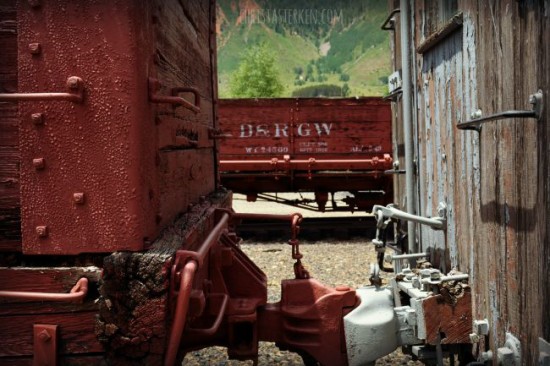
point(333, 263)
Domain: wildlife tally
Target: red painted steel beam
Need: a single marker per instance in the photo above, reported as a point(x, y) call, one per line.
point(309, 164)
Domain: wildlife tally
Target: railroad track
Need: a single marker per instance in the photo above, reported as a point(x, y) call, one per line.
point(311, 229)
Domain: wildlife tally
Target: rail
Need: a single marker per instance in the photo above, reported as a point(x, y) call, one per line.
point(77, 294)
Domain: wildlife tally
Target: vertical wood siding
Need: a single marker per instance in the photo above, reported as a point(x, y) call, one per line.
point(495, 183)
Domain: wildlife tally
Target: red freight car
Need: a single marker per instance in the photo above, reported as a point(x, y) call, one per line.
point(315, 145)
point(116, 245)
point(104, 118)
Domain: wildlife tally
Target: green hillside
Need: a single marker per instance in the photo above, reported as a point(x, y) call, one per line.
point(316, 42)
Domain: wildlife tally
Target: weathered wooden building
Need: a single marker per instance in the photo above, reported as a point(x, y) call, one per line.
point(460, 60)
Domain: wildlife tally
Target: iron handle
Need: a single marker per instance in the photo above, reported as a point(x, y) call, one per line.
point(194, 91)
point(154, 86)
point(77, 294)
point(389, 23)
point(476, 121)
point(75, 94)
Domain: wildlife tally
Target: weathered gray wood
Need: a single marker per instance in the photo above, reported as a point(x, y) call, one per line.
point(495, 183)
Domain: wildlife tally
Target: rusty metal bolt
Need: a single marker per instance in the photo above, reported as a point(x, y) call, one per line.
point(78, 198)
point(35, 48)
point(37, 118)
point(44, 336)
point(35, 3)
point(42, 231)
point(39, 163)
point(74, 82)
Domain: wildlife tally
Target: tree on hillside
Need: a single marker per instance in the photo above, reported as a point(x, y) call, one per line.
point(257, 76)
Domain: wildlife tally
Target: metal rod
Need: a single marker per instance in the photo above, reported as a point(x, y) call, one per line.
point(535, 99)
point(180, 316)
point(25, 97)
point(214, 328)
point(475, 124)
point(407, 120)
point(305, 164)
point(188, 89)
point(77, 294)
point(408, 256)
point(389, 19)
point(154, 86)
point(213, 237)
point(437, 223)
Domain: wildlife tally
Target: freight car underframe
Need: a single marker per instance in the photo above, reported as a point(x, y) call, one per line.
point(364, 179)
point(195, 288)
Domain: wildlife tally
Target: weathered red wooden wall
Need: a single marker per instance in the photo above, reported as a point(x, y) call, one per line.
point(304, 128)
point(495, 183)
point(131, 159)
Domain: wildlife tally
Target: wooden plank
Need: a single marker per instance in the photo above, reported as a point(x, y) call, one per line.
point(496, 182)
point(10, 215)
point(448, 318)
point(76, 333)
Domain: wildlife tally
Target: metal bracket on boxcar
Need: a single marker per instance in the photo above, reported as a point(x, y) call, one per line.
point(75, 94)
point(476, 120)
point(154, 87)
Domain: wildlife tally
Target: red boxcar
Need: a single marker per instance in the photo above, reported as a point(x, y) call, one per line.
point(315, 144)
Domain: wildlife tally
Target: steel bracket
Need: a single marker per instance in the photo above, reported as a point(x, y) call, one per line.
point(536, 100)
point(45, 345)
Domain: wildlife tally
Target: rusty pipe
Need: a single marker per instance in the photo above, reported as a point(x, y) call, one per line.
point(77, 294)
point(182, 305)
